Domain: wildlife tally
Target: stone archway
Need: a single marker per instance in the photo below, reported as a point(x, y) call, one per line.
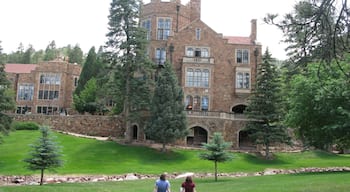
point(197, 135)
point(134, 133)
point(238, 109)
point(244, 141)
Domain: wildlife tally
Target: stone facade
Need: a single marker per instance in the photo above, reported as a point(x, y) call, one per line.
point(45, 88)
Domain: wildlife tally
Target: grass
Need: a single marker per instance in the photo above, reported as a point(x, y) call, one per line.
point(89, 156)
point(322, 182)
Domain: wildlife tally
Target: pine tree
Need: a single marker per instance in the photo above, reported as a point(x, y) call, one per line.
point(126, 53)
point(168, 119)
point(264, 112)
point(51, 52)
point(6, 98)
point(75, 55)
point(45, 153)
point(90, 69)
point(217, 151)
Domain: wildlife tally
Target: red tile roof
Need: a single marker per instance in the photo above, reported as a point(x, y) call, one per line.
point(238, 40)
point(19, 68)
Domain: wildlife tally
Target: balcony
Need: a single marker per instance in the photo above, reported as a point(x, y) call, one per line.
point(198, 60)
point(216, 115)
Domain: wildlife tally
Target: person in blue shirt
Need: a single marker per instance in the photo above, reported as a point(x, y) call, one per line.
point(162, 185)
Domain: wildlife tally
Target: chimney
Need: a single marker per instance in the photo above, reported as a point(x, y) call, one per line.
point(195, 9)
point(253, 31)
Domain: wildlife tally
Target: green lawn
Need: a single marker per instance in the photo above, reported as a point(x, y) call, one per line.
point(323, 182)
point(89, 156)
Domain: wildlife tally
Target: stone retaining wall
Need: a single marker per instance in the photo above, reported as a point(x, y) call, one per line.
point(93, 125)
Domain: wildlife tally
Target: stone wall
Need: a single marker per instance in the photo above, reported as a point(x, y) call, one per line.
point(92, 125)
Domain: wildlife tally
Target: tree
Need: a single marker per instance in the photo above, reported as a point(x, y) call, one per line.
point(319, 107)
point(316, 30)
point(86, 100)
point(28, 55)
point(265, 125)
point(90, 69)
point(168, 119)
point(126, 54)
point(51, 51)
point(76, 55)
point(217, 151)
point(6, 99)
point(45, 153)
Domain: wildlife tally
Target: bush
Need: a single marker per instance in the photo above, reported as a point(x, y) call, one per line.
point(25, 126)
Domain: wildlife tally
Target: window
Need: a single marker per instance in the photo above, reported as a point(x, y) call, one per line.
point(147, 25)
point(50, 79)
point(189, 52)
point(198, 34)
point(197, 52)
point(48, 95)
point(49, 110)
point(197, 77)
point(243, 80)
point(25, 92)
point(189, 102)
point(164, 26)
point(75, 81)
point(242, 56)
point(205, 103)
point(160, 55)
point(196, 103)
point(23, 110)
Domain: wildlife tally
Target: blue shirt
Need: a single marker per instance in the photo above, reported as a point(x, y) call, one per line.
point(162, 186)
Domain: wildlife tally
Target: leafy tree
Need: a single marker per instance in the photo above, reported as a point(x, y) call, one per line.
point(217, 151)
point(319, 107)
point(168, 119)
point(38, 56)
point(126, 54)
point(316, 30)
point(90, 69)
point(265, 125)
point(45, 153)
point(6, 99)
point(86, 100)
point(76, 55)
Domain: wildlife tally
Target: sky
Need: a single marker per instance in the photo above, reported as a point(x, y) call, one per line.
point(84, 22)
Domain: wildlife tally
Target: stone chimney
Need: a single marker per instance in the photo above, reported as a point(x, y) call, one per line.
point(253, 31)
point(195, 9)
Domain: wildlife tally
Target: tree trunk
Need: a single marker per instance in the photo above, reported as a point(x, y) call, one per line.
point(163, 148)
point(216, 170)
point(42, 177)
point(267, 151)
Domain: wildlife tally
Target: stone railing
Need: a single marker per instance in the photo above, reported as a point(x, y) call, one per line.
point(199, 60)
point(216, 114)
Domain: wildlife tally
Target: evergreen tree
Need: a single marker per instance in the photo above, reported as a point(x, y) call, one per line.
point(168, 119)
point(90, 69)
point(126, 54)
point(217, 151)
point(45, 153)
point(6, 98)
point(28, 55)
point(76, 55)
point(265, 126)
point(51, 52)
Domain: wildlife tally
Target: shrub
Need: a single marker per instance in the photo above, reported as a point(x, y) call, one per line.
point(25, 126)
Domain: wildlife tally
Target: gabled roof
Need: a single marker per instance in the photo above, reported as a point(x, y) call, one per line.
point(238, 40)
point(19, 68)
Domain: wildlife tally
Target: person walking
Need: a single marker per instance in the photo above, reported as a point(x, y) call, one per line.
point(162, 184)
point(188, 185)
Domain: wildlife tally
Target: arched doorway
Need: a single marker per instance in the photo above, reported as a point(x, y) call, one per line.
point(239, 109)
point(134, 132)
point(244, 141)
point(197, 135)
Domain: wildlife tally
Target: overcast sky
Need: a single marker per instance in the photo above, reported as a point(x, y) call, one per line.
point(84, 22)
